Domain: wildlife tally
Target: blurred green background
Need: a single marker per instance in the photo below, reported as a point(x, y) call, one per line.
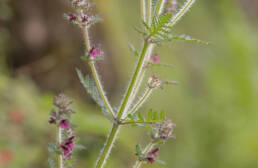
point(215, 107)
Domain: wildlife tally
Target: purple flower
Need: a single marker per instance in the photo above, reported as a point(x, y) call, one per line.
point(85, 19)
point(65, 151)
point(65, 124)
point(155, 59)
point(72, 17)
point(94, 52)
point(154, 152)
point(164, 131)
point(68, 146)
point(150, 159)
point(52, 120)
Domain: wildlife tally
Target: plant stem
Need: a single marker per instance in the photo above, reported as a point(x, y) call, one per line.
point(108, 146)
point(145, 96)
point(126, 102)
point(95, 74)
point(148, 148)
point(149, 12)
point(181, 12)
point(59, 142)
point(138, 122)
point(160, 7)
point(143, 10)
point(137, 73)
point(130, 93)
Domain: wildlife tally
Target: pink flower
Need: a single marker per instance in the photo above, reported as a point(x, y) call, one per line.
point(155, 59)
point(68, 146)
point(52, 120)
point(72, 17)
point(154, 152)
point(85, 19)
point(65, 124)
point(94, 52)
point(150, 160)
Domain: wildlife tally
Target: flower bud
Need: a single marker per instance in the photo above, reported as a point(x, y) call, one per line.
point(154, 82)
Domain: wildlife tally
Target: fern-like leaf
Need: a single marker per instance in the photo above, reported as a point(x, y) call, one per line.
point(134, 51)
point(90, 87)
point(187, 39)
point(51, 163)
point(92, 90)
point(159, 27)
point(140, 120)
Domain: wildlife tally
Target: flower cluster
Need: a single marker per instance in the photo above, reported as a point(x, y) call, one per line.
point(160, 132)
point(155, 59)
point(95, 52)
point(61, 118)
point(163, 131)
point(154, 82)
point(67, 146)
point(82, 17)
point(152, 155)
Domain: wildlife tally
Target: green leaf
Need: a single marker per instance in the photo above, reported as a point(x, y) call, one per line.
point(150, 117)
point(53, 113)
point(187, 39)
point(156, 117)
point(52, 148)
point(162, 115)
point(134, 51)
point(131, 117)
point(138, 152)
point(159, 26)
point(80, 147)
point(140, 117)
point(92, 90)
point(90, 87)
point(51, 163)
point(95, 19)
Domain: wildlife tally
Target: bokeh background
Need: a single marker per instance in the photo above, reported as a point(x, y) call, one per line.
point(215, 107)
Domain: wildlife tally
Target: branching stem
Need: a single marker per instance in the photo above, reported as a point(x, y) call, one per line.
point(145, 96)
point(130, 93)
point(95, 74)
point(181, 12)
point(160, 7)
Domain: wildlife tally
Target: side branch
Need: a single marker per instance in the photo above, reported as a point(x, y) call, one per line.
point(181, 12)
point(148, 148)
point(95, 74)
point(145, 96)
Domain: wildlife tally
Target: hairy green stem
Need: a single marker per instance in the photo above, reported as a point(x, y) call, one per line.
point(160, 7)
point(149, 12)
point(59, 141)
point(137, 122)
point(181, 12)
point(145, 96)
point(108, 146)
point(143, 10)
point(148, 148)
point(137, 73)
point(126, 102)
point(130, 93)
point(95, 74)
point(148, 55)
